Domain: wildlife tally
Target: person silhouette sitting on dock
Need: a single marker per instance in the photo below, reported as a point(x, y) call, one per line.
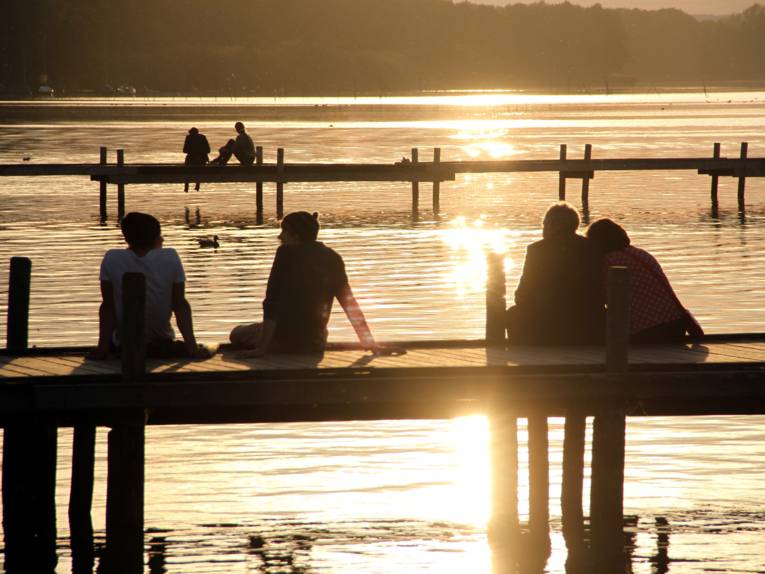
point(165, 292)
point(305, 278)
point(197, 149)
point(242, 148)
point(560, 296)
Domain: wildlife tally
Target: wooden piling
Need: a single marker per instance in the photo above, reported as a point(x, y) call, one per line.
point(280, 184)
point(436, 184)
point(81, 499)
point(125, 481)
point(609, 427)
point(495, 300)
point(715, 177)
point(539, 477)
point(585, 179)
point(573, 479)
point(415, 187)
point(562, 176)
point(504, 525)
point(19, 284)
point(120, 187)
point(742, 179)
point(102, 186)
point(259, 187)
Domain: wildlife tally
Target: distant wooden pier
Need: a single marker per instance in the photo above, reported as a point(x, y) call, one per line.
point(44, 389)
point(414, 170)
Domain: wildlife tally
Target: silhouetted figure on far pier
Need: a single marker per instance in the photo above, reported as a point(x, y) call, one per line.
point(560, 296)
point(242, 148)
point(196, 147)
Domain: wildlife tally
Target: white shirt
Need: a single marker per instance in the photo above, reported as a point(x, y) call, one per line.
point(162, 269)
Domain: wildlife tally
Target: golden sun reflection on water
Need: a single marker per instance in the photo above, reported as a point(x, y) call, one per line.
point(486, 142)
point(472, 500)
point(470, 242)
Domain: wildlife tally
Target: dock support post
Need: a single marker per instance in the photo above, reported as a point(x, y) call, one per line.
point(259, 187)
point(29, 456)
point(562, 175)
point(280, 184)
point(415, 188)
point(495, 301)
point(102, 187)
point(125, 482)
point(539, 482)
point(81, 498)
point(608, 441)
point(715, 177)
point(586, 180)
point(742, 180)
point(573, 480)
point(504, 528)
point(120, 187)
point(436, 184)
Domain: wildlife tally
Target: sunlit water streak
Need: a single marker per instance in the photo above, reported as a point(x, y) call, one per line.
point(406, 496)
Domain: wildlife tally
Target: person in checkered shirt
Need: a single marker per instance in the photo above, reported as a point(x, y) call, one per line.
point(656, 313)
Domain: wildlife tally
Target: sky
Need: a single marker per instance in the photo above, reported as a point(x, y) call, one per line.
point(696, 7)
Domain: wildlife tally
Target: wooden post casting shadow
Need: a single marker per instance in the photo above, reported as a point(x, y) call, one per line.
point(415, 188)
point(280, 184)
point(259, 187)
point(539, 485)
point(572, 486)
point(608, 442)
point(29, 456)
point(125, 482)
point(81, 499)
point(102, 187)
point(436, 184)
point(504, 528)
point(495, 301)
point(120, 187)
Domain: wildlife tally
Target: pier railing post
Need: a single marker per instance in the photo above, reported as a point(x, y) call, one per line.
point(504, 527)
point(572, 486)
point(280, 184)
point(125, 482)
point(539, 482)
point(415, 187)
point(81, 498)
point(259, 187)
point(29, 456)
point(609, 427)
point(495, 301)
point(742, 179)
point(120, 187)
point(102, 186)
point(436, 183)
point(586, 180)
point(715, 177)
point(562, 175)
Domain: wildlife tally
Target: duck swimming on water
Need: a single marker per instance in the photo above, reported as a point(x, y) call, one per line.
point(207, 242)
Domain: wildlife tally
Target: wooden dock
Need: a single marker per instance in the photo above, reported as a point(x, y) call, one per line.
point(414, 169)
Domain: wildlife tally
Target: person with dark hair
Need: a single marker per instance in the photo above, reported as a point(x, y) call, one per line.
point(242, 148)
point(305, 278)
point(656, 313)
point(165, 292)
point(559, 299)
point(196, 147)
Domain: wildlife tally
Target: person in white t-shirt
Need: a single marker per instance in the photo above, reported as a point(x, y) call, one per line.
point(165, 292)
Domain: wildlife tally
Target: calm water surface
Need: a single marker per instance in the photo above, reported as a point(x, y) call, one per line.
point(407, 496)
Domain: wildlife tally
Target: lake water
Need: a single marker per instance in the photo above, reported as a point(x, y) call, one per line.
point(403, 496)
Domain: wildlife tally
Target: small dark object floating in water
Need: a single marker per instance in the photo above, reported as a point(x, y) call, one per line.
point(207, 242)
point(26, 158)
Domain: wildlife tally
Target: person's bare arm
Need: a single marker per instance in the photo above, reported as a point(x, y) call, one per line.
point(356, 316)
point(182, 311)
point(107, 321)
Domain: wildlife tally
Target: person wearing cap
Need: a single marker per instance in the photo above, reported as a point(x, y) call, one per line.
point(196, 147)
point(305, 278)
point(242, 148)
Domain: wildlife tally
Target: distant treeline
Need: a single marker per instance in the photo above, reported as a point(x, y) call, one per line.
point(237, 47)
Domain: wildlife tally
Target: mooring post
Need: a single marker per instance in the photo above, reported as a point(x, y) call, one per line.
point(609, 427)
point(415, 187)
point(585, 179)
point(29, 456)
point(539, 479)
point(573, 479)
point(562, 175)
point(742, 179)
point(120, 187)
point(504, 526)
point(102, 186)
point(715, 177)
point(125, 481)
point(495, 300)
point(81, 498)
point(259, 187)
point(280, 184)
point(436, 183)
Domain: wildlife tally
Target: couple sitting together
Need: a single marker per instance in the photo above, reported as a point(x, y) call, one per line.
point(305, 278)
point(561, 295)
